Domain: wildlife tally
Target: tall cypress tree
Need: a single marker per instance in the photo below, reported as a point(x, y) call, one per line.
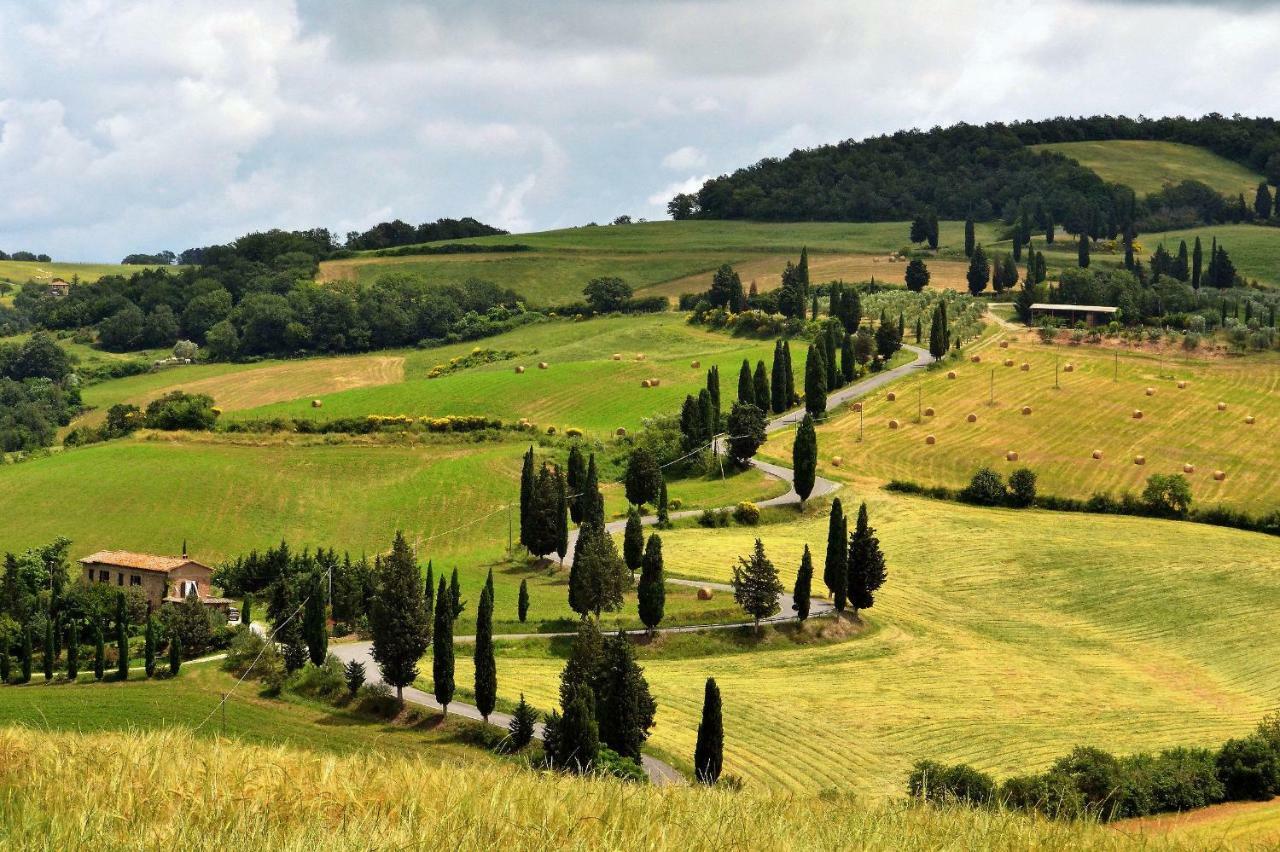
point(815, 382)
point(486, 669)
point(760, 382)
point(713, 388)
point(522, 603)
point(1197, 264)
point(778, 389)
point(27, 653)
point(651, 593)
point(746, 390)
point(830, 348)
point(99, 653)
point(577, 481)
point(847, 361)
point(149, 647)
point(396, 618)
point(49, 654)
point(633, 541)
point(1082, 251)
point(73, 652)
point(938, 342)
point(979, 271)
point(561, 509)
point(1262, 201)
point(429, 599)
point(175, 655)
point(526, 495)
point(315, 631)
point(708, 416)
point(804, 585)
point(5, 663)
point(804, 458)
point(708, 753)
point(836, 565)
point(593, 508)
point(456, 603)
point(791, 376)
point(664, 517)
point(442, 652)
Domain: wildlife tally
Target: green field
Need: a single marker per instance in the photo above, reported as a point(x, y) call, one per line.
point(1091, 409)
point(1147, 166)
point(1254, 249)
point(665, 258)
point(21, 271)
point(1002, 638)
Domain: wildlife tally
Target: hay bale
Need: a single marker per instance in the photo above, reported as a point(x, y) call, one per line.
point(519, 368)
point(1025, 366)
point(316, 403)
point(1026, 409)
point(1139, 459)
point(617, 356)
point(1011, 456)
point(645, 383)
point(695, 364)
point(1097, 454)
point(1008, 362)
point(639, 356)
point(1137, 414)
point(893, 424)
point(1188, 468)
point(1222, 406)
point(653, 383)
point(928, 412)
point(1069, 368)
point(857, 406)
point(1151, 391)
point(1182, 384)
point(972, 418)
point(930, 440)
point(1249, 420)
point(976, 359)
point(705, 593)
point(1004, 344)
point(951, 374)
point(1219, 475)
point(542, 365)
point(621, 432)
point(891, 396)
point(836, 461)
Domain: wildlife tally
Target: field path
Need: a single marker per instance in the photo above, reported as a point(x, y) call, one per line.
point(659, 772)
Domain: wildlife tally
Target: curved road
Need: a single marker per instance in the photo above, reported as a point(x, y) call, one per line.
point(661, 773)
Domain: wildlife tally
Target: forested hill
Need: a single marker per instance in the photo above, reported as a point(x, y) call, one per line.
point(967, 170)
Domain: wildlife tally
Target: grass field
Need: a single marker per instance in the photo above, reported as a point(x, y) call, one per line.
point(229, 795)
point(1231, 825)
point(21, 271)
point(1001, 638)
point(1090, 410)
point(670, 258)
point(1147, 166)
point(1254, 249)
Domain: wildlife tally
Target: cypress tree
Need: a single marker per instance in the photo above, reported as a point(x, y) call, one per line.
point(561, 509)
point(643, 477)
point(246, 612)
point(456, 602)
point(835, 568)
point(804, 583)
point(1182, 267)
point(522, 603)
point(708, 753)
point(522, 722)
point(919, 336)
point(4, 663)
point(969, 237)
point(746, 390)
point(867, 571)
point(1262, 201)
point(429, 599)
point(651, 593)
point(804, 458)
point(577, 480)
point(442, 652)
point(624, 705)
point(1017, 247)
point(1197, 264)
point(526, 496)
point(664, 518)
point(572, 739)
point(633, 541)
point(763, 399)
point(27, 653)
point(486, 669)
point(979, 271)
point(593, 508)
point(847, 361)
point(713, 388)
point(99, 653)
point(938, 342)
point(175, 656)
point(756, 586)
point(1082, 251)
point(829, 353)
point(598, 575)
point(792, 398)
point(708, 416)
point(778, 387)
point(314, 630)
point(815, 383)
point(48, 649)
point(813, 306)
point(73, 652)
point(396, 618)
point(149, 647)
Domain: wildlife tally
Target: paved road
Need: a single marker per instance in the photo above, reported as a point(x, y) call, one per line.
point(659, 772)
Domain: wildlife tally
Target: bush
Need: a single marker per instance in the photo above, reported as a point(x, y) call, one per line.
point(327, 681)
point(747, 513)
point(1052, 795)
point(1168, 495)
point(179, 410)
point(985, 489)
point(609, 762)
point(1249, 768)
point(1185, 778)
point(934, 782)
point(377, 699)
point(1022, 487)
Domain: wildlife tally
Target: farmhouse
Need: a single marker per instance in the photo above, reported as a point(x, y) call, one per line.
point(1091, 314)
point(164, 579)
point(59, 288)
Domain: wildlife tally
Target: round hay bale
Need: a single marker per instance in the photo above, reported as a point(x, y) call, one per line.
point(639, 356)
point(705, 593)
point(1025, 366)
point(1219, 475)
point(1137, 414)
point(1008, 362)
point(1222, 406)
point(1069, 368)
point(695, 364)
point(1188, 468)
point(1026, 409)
point(644, 383)
point(1011, 456)
point(519, 368)
point(1151, 391)
point(951, 374)
point(617, 356)
point(1004, 344)
point(928, 412)
point(891, 396)
point(1182, 384)
point(857, 406)
point(836, 461)
point(316, 403)
point(653, 383)
point(930, 440)
point(1097, 454)
point(551, 430)
point(893, 424)
point(972, 418)
point(976, 359)
point(621, 432)
point(542, 365)
point(1249, 420)
point(1139, 459)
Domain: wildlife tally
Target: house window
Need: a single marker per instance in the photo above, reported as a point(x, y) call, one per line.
point(120, 579)
point(104, 576)
point(188, 587)
point(90, 575)
point(135, 580)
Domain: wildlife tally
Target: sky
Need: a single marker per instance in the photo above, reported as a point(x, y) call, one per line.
point(141, 126)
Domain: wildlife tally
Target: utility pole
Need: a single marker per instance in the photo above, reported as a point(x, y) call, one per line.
point(993, 386)
point(1115, 376)
point(224, 714)
point(919, 404)
point(860, 422)
point(510, 546)
point(1055, 372)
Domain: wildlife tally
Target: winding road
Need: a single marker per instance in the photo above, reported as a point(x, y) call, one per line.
point(661, 773)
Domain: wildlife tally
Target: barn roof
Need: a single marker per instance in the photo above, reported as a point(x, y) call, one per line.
point(139, 561)
point(1098, 309)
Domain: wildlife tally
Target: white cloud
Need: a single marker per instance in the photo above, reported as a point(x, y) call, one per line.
point(661, 197)
point(683, 159)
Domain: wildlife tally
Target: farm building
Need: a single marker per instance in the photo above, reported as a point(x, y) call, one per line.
point(164, 579)
point(1090, 314)
point(59, 288)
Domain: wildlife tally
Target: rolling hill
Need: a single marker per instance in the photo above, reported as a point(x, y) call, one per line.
point(1147, 166)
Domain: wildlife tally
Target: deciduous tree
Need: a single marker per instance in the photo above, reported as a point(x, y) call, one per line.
point(746, 426)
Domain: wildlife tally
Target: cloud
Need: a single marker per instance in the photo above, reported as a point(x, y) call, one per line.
point(683, 159)
point(660, 198)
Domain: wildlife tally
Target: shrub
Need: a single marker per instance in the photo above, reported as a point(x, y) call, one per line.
point(354, 676)
point(179, 410)
point(1052, 795)
point(1095, 773)
point(1022, 487)
point(747, 513)
point(327, 681)
point(986, 488)
point(940, 784)
point(609, 762)
point(1167, 494)
point(377, 699)
point(707, 518)
point(1249, 768)
point(1185, 778)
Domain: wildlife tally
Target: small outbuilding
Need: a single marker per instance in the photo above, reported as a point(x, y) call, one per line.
point(1091, 314)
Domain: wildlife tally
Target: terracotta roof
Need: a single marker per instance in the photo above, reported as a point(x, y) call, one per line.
point(138, 561)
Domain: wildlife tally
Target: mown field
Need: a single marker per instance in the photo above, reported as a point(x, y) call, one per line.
point(1254, 249)
point(226, 497)
point(1147, 166)
point(670, 258)
point(229, 795)
point(1002, 638)
point(21, 271)
point(1091, 409)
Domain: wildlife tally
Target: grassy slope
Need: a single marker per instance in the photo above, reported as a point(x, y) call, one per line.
point(1255, 250)
point(224, 795)
point(1147, 166)
point(1090, 411)
point(1001, 638)
point(20, 271)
